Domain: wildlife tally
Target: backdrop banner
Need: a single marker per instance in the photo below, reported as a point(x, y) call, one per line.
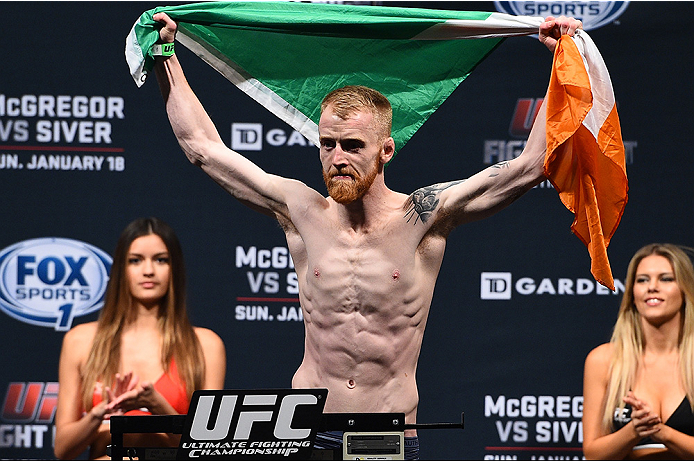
point(84, 151)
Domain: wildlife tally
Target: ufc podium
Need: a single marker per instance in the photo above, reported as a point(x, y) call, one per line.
point(265, 424)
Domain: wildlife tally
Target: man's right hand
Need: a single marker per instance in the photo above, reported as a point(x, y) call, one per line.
point(167, 34)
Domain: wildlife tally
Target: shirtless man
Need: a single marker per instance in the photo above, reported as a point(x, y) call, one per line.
point(367, 257)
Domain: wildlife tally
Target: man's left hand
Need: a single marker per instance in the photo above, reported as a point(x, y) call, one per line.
point(553, 28)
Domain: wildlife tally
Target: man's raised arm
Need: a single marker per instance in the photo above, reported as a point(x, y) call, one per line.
point(199, 139)
point(498, 186)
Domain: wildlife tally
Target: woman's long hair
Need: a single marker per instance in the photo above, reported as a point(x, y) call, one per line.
point(179, 341)
point(627, 337)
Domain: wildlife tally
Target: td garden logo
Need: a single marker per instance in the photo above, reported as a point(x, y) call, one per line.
point(250, 137)
point(502, 285)
point(50, 281)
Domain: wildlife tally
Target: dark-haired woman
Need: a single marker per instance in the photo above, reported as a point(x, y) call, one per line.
point(142, 356)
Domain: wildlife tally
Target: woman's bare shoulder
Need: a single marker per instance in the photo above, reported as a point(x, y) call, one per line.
point(208, 337)
point(600, 357)
point(81, 335)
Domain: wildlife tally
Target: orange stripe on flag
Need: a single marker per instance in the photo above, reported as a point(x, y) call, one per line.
point(585, 153)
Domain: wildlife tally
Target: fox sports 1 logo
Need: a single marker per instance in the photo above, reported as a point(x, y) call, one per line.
point(50, 281)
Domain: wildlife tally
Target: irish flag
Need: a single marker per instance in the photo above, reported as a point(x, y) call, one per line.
point(585, 153)
point(288, 55)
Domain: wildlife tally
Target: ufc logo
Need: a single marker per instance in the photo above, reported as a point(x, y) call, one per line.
point(250, 414)
point(524, 116)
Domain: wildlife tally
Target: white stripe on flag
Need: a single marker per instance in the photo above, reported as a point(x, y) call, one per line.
point(135, 58)
point(600, 83)
point(496, 25)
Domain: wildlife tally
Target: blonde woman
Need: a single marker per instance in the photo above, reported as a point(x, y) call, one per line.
point(639, 388)
point(142, 356)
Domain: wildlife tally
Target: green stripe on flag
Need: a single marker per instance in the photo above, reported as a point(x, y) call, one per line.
point(328, 20)
point(289, 55)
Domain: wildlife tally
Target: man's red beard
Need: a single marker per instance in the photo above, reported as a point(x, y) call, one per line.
point(346, 191)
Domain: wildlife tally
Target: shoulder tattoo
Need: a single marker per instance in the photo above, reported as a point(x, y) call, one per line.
point(422, 203)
